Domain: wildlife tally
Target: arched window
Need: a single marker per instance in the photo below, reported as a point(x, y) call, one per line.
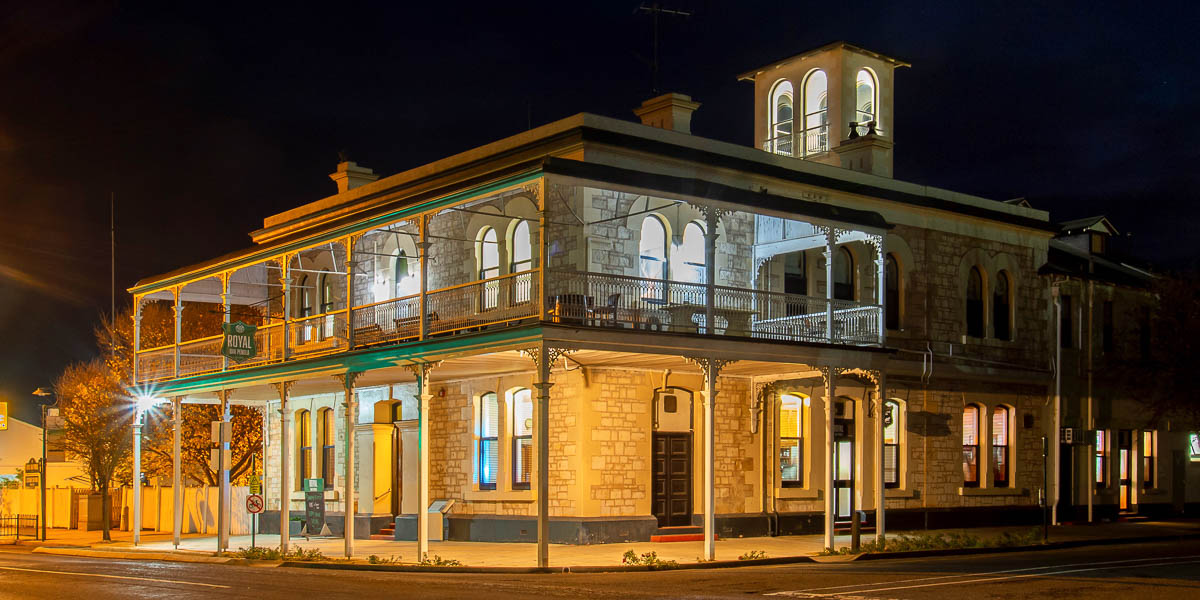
point(325, 434)
point(691, 255)
point(843, 274)
point(795, 280)
point(652, 250)
point(304, 293)
point(489, 436)
point(1000, 431)
point(975, 303)
point(792, 409)
point(522, 438)
point(488, 251)
point(1002, 307)
point(400, 280)
point(891, 444)
point(326, 294)
point(891, 292)
point(864, 86)
point(970, 423)
point(816, 113)
point(780, 134)
point(303, 447)
point(522, 260)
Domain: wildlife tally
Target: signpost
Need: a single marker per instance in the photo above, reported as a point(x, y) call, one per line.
point(239, 343)
point(254, 505)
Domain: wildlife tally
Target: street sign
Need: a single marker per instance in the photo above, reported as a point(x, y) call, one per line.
point(3, 416)
point(316, 484)
point(239, 341)
point(255, 484)
point(214, 459)
point(222, 432)
point(254, 504)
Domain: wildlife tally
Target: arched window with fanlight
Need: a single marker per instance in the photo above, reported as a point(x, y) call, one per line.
point(1002, 307)
point(975, 303)
point(970, 433)
point(690, 256)
point(864, 106)
point(521, 261)
point(891, 295)
point(652, 250)
point(816, 113)
point(843, 274)
point(780, 131)
point(487, 251)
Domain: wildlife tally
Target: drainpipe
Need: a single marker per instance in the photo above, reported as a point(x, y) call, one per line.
point(1056, 445)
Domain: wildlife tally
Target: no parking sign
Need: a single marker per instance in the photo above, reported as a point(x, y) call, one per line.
point(254, 504)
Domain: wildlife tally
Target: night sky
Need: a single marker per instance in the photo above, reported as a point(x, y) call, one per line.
point(204, 118)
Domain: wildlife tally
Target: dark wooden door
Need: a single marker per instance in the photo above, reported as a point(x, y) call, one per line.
point(673, 479)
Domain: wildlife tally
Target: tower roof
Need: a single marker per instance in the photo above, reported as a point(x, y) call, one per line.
point(751, 74)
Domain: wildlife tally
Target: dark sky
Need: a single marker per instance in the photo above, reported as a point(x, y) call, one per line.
point(204, 117)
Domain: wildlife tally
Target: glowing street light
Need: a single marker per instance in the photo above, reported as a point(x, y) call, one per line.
point(142, 404)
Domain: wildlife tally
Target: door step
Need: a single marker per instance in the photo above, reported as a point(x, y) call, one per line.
point(684, 533)
point(383, 538)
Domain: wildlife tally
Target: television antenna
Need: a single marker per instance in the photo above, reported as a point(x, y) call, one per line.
point(656, 10)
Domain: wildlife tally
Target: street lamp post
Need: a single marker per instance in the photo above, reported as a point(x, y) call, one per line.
point(43, 392)
point(142, 404)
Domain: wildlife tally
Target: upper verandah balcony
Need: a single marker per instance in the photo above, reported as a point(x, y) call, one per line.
point(660, 254)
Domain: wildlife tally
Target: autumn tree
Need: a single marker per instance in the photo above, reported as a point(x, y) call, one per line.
point(96, 417)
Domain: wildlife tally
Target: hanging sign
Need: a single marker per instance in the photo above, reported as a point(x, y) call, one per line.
point(239, 341)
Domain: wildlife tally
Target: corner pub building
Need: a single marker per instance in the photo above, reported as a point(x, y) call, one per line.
point(599, 331)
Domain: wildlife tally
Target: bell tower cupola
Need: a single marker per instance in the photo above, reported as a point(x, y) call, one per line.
point(831, 105)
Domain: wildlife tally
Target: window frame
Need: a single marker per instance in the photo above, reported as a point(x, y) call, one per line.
point(976, 308)
point(645, 259)
point(781, 130)
point(700, 268)
point(874, 84)
point(1149, 462)
point(802, 405)
point(973, 448)
point(896, 410)
point(487, 249)
point(327, 430)
point(1002, 307)
point(841, 288)
point(815, 121)
point(516, 440)
point(304, 448)
point(485, 441)
point(1001, 454)
point(1101, 458)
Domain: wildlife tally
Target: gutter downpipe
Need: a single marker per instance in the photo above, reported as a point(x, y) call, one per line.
point(1056, 445)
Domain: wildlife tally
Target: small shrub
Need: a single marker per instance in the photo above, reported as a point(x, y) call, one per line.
point(301, 554)
point(257, 553)
point(379, 560)
point(753, 555)
point(649, 559)
point(438, 561)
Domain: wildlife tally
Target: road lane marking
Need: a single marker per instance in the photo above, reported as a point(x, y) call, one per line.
point(211, 585)
point(857, 593)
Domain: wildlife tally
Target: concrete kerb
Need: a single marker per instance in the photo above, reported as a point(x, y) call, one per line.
point(184, 556)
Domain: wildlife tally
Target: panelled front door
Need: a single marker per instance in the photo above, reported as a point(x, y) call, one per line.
point(673, 479)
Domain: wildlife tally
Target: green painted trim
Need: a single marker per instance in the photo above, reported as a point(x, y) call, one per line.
point(339, 232)
point(357, 360)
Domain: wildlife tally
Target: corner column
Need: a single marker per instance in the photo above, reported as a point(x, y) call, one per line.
point(830, 239)
point(880, 496)
point(347, 379)
point(880, 283)
point(285, 472)
point(177, 469)
point(711, 368)
point(829, 374)
point(712, 219)
point(421, 371)
point(543, 358)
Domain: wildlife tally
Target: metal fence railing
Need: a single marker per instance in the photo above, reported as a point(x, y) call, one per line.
point(18, 526)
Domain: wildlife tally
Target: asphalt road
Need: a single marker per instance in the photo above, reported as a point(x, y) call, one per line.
point(1142, 572)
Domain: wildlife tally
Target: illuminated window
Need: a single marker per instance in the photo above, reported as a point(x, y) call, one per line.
point(975, 303)
point(791, 439)
point(891, 444)
point(690, 256)
point(652, 249)
point(489, 436)
point(843, 274)
point(1002, 307)
point(304, 447)
point(522, 438)
point(1194, 446)
point(891, 287)
point(325, 433)
point(1001, 417)
point(1101, 458)
point(970, 423)
point(865, 91)
point(816, 113)
point(1149, 458)
point(780, 134)
point(488, 250)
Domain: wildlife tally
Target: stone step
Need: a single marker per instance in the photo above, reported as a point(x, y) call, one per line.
point(383, 537)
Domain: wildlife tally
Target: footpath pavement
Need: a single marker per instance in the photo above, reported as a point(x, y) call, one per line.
point(515, 555)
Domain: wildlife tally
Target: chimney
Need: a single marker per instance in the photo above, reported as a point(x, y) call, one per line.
point(668, 111)
point(349, 176)
point(868, 153)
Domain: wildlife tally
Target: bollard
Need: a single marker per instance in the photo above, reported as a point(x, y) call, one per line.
point(855, 530)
